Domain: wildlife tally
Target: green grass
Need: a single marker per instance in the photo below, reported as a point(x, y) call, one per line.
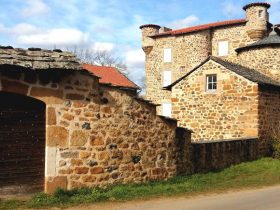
point(263, 172)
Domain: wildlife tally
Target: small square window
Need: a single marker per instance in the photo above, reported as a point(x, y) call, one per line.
point(211, 82)
point(182, 68)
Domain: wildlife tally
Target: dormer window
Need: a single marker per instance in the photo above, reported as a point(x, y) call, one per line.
point(261, 14)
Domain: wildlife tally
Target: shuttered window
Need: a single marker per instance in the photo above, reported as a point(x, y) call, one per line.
point(223, 48)
point(166, 109)
point(166, 78)
point(167, 55)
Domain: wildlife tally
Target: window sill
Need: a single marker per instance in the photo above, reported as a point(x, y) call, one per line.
point(211, 92)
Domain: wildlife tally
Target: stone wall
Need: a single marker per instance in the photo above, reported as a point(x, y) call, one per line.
point(230, 112)
point(188, 51)
point(236, 37)
point(98, 135)
point(221, 154)
point(265, 60)
point(269, 115)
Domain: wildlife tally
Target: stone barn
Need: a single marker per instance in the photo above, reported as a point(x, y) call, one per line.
point(61, 127)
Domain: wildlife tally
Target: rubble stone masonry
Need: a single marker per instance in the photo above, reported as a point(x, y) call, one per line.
point(266, 60)
point(97, 135)
point(231, 112)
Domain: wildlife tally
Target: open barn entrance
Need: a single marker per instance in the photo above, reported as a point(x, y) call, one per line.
point(22, 144)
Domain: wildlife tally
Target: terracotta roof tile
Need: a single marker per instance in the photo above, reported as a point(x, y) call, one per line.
point(110, 75)
point(202, 27)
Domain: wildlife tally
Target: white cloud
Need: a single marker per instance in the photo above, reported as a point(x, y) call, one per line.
point(103, 46)
point(23, 29)
point(60, 37)
point(135, 60)
point(188, 21)
point(35, 8)
point(231, 9)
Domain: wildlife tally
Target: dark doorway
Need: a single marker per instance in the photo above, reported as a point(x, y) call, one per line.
point(22, 144)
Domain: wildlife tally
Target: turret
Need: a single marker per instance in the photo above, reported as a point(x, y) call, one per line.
point(257, 19)
point(147, 31)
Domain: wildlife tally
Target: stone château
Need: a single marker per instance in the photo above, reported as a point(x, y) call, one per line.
point(221, 80)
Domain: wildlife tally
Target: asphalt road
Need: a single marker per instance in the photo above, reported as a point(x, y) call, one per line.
point(259, 199)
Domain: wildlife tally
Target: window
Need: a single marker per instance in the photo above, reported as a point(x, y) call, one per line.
point(182, 68)
point(223, 48)
point(167, 55)
point(211, 82)
point(166, 109)
point(166, 78)
point(260, 13)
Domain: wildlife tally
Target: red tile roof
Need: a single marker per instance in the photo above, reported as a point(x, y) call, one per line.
point(202, 27)
point(110, 75)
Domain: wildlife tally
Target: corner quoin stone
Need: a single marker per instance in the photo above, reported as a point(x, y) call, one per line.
point(57, 136)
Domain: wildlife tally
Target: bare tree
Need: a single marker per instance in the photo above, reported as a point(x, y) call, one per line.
point(102, 58)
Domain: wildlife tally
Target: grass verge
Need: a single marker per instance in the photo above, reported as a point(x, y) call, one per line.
point(263, 172)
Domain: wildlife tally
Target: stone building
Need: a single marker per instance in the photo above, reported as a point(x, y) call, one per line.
point(63, 126)
point(221, 80)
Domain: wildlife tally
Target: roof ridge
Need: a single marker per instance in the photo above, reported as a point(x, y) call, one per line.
point(202, 27)
point(248, 73)
point(232, 66)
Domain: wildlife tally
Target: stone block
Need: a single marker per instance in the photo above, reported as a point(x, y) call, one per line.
point(89, 178)
point(74, 96)
point(79, 138)
point(52, 183)
point(57, 136)
point(96, 141)
point(51, 116)
point(85, 155)
point(14, 87)
point(103, 156)
point(97, 170)
point(68, 116)
point(49, 96)
point(81, 170)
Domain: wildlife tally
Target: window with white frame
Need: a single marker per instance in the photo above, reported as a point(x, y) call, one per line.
point(166, 109)
point(223, 48)
point(167, 55)
point(166, 78)
point(211, 82)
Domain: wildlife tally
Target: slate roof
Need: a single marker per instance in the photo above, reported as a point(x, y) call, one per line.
point(38, 59)
point(265, 4)
point(201, 27)
point(243, 71)
point(111, 76)
point(272, 40)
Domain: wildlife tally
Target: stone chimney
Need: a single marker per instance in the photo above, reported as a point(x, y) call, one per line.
point(147, 31)
point(257, 18)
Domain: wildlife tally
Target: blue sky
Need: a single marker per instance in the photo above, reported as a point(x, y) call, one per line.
point(108, 24)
